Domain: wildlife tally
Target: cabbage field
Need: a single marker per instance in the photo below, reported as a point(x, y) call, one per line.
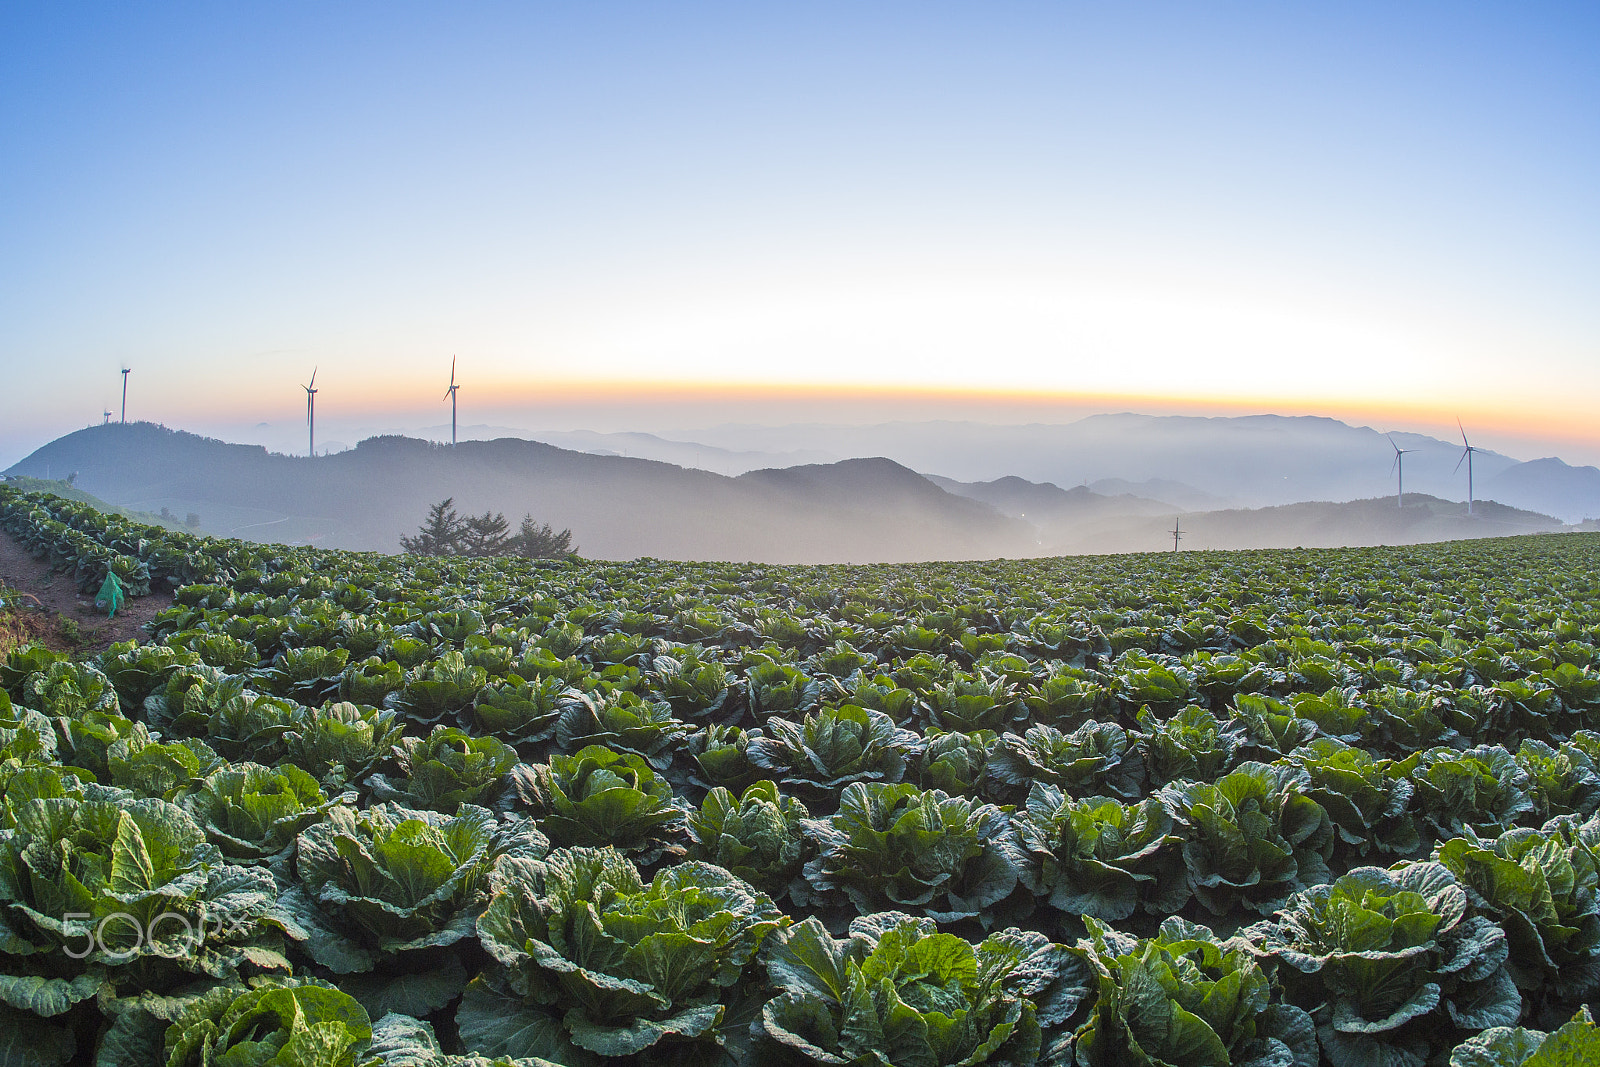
point(1273, 808)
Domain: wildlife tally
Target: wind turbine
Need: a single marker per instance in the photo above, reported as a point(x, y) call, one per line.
point(125, 393)
point(1466, 457)
point(450, 395)
point(311, 413)
point(107, 420)
point(1176, 535)
point(1399, 467)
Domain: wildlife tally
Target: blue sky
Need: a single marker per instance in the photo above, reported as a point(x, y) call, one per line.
point(670, 212)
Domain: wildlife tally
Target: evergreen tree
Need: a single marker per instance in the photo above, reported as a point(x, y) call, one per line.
point(535, 541)
point(485, 535)
point(440, 535)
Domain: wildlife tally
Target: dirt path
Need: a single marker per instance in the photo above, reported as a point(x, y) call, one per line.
point(58, 614)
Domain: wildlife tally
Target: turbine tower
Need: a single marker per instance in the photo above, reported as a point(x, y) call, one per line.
point(125, 393)
point(311, 413)
point(1176, 535)
point(450, 395)
point(1466, 457)
point(1399, 467)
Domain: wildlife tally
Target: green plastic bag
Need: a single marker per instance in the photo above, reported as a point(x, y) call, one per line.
point(110, 595)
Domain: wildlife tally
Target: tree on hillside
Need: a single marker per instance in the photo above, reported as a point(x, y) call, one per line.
point(484, 535)
point(446, 533)
point(439, 535)
point(539, 541)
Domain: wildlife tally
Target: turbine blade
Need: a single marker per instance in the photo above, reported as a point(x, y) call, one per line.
point(452, 370)
point(1460, 461)
point(1396, 462)
point(313, 377)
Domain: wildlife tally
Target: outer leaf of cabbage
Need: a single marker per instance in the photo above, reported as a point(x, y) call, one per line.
point(1543, 887)
point(597, 797)
point(1251, 839)
point(927, 853)
point(1100, 857)
point(629, 965)
point(756, 836)
point(896, 991)
point(1183, 997)
point(1388, 960)
point(833, 748)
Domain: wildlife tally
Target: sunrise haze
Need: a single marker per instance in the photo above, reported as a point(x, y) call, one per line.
point(660, 217)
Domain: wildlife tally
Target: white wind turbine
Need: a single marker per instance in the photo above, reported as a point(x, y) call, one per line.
point(1466, 457)
point(1399, 467)
point(450, 395)
point(311, 413)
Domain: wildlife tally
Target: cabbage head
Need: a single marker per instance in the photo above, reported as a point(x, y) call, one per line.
point(1543, 887)
point(253, 813)
point(1252, 838)
point(622, 721)
point(956, 762)
point(928, 853)
point(831, 749)
point(447, 769)
point(1094, 758)
point(756, 836)
point(519, 711)
point(302, 1022)
point(599, 797)
point(622, 964)
point(339, 744)
point(97, 887)
point(1185, 999)
point(896, 991)
point(1193, 745)
point(1388, 961)
point(1482, 789)
point(1101, 857)
point(394, 890)
point(1576, 1042)
point(1368, 799)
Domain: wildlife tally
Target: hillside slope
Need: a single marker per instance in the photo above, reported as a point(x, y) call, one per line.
point(366, 498)
point(1315, 524)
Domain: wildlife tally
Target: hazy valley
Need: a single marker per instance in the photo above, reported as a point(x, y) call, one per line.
point(1256, 482)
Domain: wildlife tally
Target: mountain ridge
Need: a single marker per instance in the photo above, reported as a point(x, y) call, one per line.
point(869, 509)
point(367, 497)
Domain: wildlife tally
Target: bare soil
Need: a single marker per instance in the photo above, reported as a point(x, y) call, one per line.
point(56, 614)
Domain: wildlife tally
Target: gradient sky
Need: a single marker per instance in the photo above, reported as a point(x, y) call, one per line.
point(658, 214)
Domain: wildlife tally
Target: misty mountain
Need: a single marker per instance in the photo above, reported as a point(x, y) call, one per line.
point(859, 510)
point(1192, 464)
point(1319, 524)
point(1183, 497)
point(1246, 461)
point(1549, 485)
point(682, 453)
point(368, 497)
point(1044, 503)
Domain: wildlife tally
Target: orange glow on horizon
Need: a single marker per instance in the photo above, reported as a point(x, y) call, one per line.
point(404, 398)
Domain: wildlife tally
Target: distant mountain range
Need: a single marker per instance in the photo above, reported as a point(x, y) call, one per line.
point(1249, 461)
point(1195, 464)
point(857, 510)
point(368, 497)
